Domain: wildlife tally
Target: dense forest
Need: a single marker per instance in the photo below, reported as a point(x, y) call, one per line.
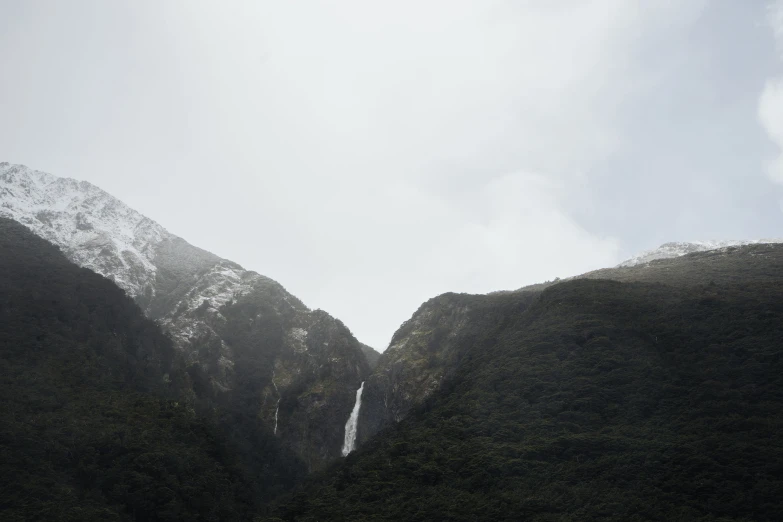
point(594, 400)
point(590, 399)
point(98, 414)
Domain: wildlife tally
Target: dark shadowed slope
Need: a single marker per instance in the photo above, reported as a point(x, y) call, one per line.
point(594, 400)
point(422, 353)
point(96, 415)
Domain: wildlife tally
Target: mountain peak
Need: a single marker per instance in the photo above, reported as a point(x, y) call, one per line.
point(93, 228)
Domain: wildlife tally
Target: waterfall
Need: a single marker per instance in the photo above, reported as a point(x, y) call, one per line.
point(350, 427)
point(277, 409)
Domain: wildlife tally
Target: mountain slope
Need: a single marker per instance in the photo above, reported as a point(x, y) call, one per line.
point(229, 323)
point(96, 416)
point(593, 400)
point(422, 352)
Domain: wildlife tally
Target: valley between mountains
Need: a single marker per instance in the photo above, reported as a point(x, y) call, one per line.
point(147, 379)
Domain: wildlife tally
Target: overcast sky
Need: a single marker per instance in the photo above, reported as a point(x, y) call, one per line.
point(369, 155)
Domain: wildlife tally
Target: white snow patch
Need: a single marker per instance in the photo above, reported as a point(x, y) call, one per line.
point(677, 249)
point(300, 334)
point(221, 285)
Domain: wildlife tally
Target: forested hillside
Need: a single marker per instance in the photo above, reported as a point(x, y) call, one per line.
point(97, 415)
point(659, 399)
point(593, 400)
point(424, 350)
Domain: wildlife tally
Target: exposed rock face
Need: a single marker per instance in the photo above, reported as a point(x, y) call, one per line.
point(419, 357)
point(235, 328)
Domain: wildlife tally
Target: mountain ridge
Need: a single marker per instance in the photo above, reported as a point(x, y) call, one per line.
point(196, 297)
point(422, 355)
point(573, 365)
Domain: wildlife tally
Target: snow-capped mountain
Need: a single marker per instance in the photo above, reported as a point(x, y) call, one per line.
point(94, 229)
point(677, 249)
point(97, 231)
point(241, 333)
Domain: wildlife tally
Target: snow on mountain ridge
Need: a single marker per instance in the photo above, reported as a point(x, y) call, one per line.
point(181, 286)
point(93, 228)
point(681, 248)
point(222, 284)
point(98, 231)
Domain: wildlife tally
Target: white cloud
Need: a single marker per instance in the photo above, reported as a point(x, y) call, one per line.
point(368, 155)
point(771, 102)
point(453, 138)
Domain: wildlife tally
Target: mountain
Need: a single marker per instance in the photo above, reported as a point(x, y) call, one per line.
point(97, 423)
point(654, 396)
point(251, 347)
point(422, 352)
point(648, 391)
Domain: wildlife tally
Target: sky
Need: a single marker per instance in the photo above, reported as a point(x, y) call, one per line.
point(369, 155)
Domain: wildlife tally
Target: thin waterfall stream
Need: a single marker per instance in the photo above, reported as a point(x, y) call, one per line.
point(349, 444)
point(277, 408)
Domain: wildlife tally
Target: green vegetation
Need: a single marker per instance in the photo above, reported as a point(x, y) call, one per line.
point(97, 413)
point(595, 400)
point(591, 400)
